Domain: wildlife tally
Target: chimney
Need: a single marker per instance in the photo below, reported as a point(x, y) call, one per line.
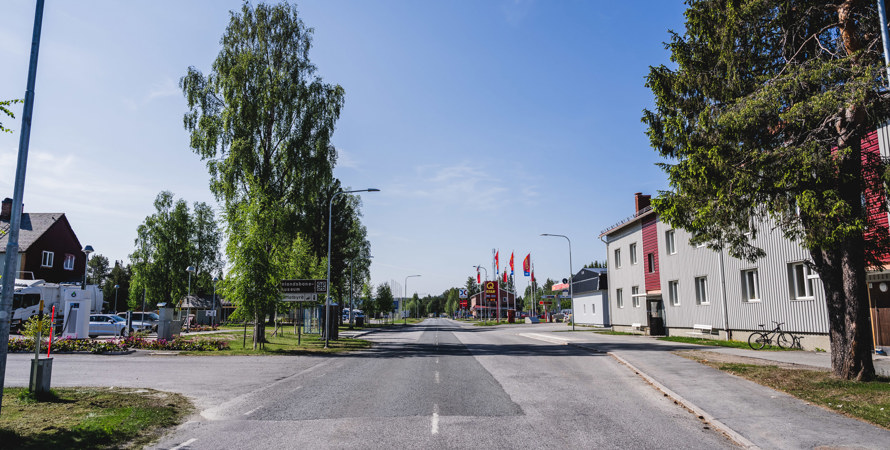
point(641, 201)
point(6, 211)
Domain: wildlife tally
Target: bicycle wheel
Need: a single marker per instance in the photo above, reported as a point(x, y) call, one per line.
point(785, 340)
point(757, 340)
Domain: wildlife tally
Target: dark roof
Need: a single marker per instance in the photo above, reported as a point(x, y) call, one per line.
point(202, 302)
point(33, 226)
point(590, 280)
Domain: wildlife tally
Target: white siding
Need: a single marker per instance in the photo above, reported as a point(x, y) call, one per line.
point(592, 309)
point(626, 276)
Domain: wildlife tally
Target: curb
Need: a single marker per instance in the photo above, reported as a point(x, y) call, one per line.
point(702, 414)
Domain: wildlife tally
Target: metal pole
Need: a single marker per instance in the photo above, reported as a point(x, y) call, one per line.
point(15, 222)
point(885, 39)
point(327, 300)
point(571, 275)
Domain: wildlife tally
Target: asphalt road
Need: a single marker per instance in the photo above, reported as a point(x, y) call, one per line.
point(436, 385)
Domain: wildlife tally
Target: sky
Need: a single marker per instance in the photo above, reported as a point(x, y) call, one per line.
point(484, 123)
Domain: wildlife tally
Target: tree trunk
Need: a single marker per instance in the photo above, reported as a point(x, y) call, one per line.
point(842, 270)
point(259, 328)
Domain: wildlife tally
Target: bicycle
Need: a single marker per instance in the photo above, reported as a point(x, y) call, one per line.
point(784, 339)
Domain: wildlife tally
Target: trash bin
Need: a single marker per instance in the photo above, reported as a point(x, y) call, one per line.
point(359, 321)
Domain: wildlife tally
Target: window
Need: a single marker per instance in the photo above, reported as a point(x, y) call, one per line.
point(585, 309)
point(634, 296)
point(673, 294)
point(701, 291)
point(800, 281)
point(669, 242)
point(617, 258)
point(619, 298)
point(47, 260)
point(750, 286)
point(650, 262)
point(69, 262)
point(633, 253)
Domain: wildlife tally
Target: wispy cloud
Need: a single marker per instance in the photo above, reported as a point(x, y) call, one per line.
point(166, 88)
point(516, 10)
point(346, 160)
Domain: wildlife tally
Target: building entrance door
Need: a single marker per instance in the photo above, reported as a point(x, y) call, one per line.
point(879, 300)
point(655, 310)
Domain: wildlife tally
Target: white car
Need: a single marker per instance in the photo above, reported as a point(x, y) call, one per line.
point(142, 321)
point(107, 324)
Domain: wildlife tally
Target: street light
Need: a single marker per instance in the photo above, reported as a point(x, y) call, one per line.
point(86, 265)
point(406, 295)
point(571, 275)
point(115, 296)
point(188, 309)
point(327, 300)
point(480, 287)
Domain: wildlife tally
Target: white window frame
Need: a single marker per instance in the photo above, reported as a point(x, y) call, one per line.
point(635, 296)
point(750, 286)
point(619, 298)
point(800, 281)
point(701, 291)
point(617, 258)
point(674, 292)
point(633, 254)
point(670, 243)
point(46, 260)
point(68, 264)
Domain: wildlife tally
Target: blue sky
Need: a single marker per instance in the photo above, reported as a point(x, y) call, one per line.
point(484, 123)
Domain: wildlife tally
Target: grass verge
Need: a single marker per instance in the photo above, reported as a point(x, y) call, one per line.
point(720, 343)
point(868, 401)
point(283, 343)
point(89, 418)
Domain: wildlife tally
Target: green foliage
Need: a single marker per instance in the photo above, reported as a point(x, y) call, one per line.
point(168, 242)
point(98, 270)
point(34, 325)
point(5, 110)
point(597, 265)
point(262, 119)
point(384, 298)
point(762, 120)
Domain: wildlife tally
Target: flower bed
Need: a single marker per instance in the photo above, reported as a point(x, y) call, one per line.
point(118, 345)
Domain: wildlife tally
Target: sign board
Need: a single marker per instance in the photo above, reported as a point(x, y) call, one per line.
point(462, 293)
point(304, 286)
point(292, 297)
point(564, 296)
point(463, 304)
point(492, 289)
point(210, 313)
point(548, 296)
point(542, 302)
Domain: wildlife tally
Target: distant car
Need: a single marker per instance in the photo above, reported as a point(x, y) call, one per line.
point(107, 324)
point(143, 321)
point(355, 314)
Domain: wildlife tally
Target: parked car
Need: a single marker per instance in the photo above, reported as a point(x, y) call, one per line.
point(143, 321)
point(107, 324)
point(355, 314)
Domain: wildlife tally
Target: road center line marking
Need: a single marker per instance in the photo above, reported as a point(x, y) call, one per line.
point(184, 444)
point(437, 377)
point(435, 420)
point(252, 411)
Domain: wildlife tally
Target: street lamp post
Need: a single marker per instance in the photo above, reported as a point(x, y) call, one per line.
point(406, 294)
point(115, 296)
point(327, 300)
point(86, 265)
point(571, 275)
point(480, 286)
point(188, 310)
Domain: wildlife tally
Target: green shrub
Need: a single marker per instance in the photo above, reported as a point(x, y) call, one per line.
point(35, 324)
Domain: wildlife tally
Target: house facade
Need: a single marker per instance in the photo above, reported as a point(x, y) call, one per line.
point(591, 297)
point(48, 248)
point(660, 284)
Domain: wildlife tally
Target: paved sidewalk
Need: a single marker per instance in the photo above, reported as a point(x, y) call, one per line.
point(754, 415)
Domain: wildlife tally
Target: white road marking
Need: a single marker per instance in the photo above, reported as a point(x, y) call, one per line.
point(184, 444)
point(252, 411)
point(215, 412)
point(437, 377)
point(435, 419)
point(546, 338)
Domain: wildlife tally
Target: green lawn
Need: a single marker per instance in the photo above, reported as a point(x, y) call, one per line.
point(720, 343)
point(284, 343)
point(89, 418)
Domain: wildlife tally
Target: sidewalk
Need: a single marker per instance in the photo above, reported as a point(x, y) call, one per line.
point(753, 415)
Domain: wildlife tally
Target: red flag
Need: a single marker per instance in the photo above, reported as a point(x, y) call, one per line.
point(533, 275)
point(505, 274)
point(497, 264)
point(478, 277)
point(527, 264)
point(511, 264)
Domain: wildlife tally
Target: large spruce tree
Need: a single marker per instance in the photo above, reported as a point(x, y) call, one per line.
point(762, 116)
